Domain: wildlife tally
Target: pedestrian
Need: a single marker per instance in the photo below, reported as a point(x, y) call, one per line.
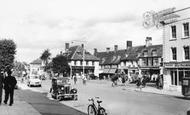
point(84, 79)
point(75, 79)
point(158, 81)
point(9, 86)
point(1, 85)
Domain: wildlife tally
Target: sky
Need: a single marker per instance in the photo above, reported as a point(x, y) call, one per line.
point(36, 25)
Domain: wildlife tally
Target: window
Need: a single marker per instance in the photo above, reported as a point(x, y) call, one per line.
point(75, 62)
point(80, 62)
point(174, 53)
point(145, 62)
point(173, 28)
point(155, 62)
point(92, 62)
point(86, 62)
point(154, 53)
point(187, 73)
point(145, 53)
point(186, 52)
point(186, 29)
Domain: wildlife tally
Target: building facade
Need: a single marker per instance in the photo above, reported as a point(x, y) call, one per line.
point(176, 44)
point(36, 67)
point(81, 61)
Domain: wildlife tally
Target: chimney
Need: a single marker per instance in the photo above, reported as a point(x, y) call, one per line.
point(66, 47)
point(95, 51)
point(115, 48)
point(129, 44)
point(82, 45)
point(107, 50)
point(148, 41)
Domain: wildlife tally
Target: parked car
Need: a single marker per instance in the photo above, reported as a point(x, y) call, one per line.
point(34, 81)
point(61, 89)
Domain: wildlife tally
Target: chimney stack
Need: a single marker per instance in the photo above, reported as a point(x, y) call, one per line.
point(115, 48)
point(148, 41)
point(82, 45)
point(129, 44)
point(66, 47)
point(95, 51)
point(107, 49)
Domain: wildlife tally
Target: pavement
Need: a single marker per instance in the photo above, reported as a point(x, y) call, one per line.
point(18, 108)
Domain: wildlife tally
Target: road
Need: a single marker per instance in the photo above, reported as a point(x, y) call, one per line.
point(121, 101)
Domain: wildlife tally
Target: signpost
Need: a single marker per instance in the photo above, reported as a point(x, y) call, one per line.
point(160, 18)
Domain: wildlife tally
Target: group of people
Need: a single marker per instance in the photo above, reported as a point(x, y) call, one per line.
point(8, 82)
point(84, 79)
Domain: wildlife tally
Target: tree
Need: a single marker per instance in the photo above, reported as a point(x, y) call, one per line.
point(19, 68)
point(7, 54)
point(60, 65)
point(45, 57)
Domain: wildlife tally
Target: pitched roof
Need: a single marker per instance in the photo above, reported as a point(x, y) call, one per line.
point(37, 61)
point(131, 54)
point(111, 57)
point(76, 53)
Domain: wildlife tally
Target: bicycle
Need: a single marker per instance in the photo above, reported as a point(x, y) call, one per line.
point(93, 110)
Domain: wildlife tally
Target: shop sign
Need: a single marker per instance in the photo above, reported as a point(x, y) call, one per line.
point(176, 65)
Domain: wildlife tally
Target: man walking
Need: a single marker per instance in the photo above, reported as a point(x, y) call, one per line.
point(1, 85)
point(9, 85)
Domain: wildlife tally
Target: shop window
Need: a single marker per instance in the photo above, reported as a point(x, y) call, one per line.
point(187, 74)
point(174, 78)
point(186, 29)
point(186, 51)
point(174, 53)
point(173, 29)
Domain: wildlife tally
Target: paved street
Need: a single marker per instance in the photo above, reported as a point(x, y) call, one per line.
point(122, 101)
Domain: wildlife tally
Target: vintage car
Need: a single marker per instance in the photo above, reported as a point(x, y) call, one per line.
point(61, 89)
point(34, 80)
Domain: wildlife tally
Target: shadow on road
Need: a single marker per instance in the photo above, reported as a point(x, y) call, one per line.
point(184, 98)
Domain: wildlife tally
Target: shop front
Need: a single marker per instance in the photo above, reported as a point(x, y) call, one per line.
point(174, 73)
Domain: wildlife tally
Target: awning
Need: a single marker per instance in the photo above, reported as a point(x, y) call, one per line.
point(112, 70)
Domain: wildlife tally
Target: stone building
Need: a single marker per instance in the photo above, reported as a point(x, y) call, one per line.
point(176, 47)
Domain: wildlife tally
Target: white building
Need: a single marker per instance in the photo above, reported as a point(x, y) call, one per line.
point(176, 51)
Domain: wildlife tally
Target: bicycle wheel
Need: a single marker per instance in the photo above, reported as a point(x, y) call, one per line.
point(91, 110)
point(102, 111)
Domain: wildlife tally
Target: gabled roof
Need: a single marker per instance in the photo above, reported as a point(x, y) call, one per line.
point(37, 61)
point(76, 53)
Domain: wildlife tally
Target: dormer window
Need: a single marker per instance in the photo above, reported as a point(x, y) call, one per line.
point(145, 53)
point(154, 53)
